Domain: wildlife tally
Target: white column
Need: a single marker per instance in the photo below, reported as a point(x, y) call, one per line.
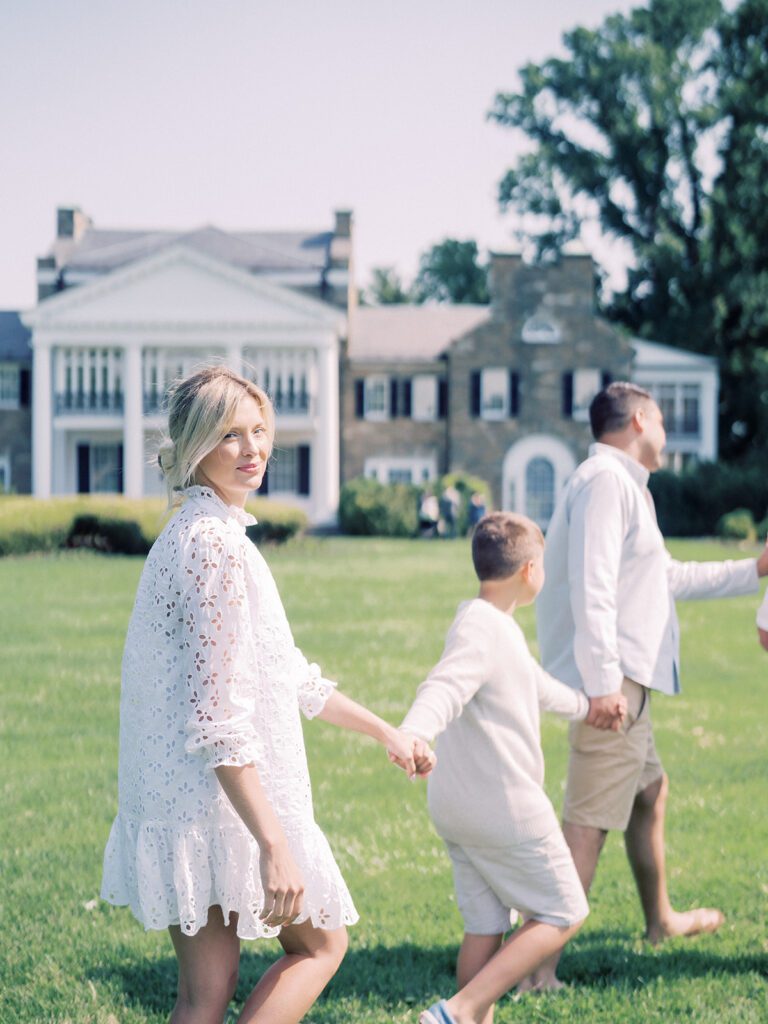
point(325, 443)
point(42, 420)
point(133, 424)
point(235, 357)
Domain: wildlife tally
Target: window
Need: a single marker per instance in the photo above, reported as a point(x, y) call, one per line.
point(665, 397)
point(540, 490)
point(5, 473)
point(494, 393)
point(424, 398)
point(372, 398)
point(394, 469)
point(690, 418)
point(9, 386)
point(538, 329)
point(586, 384)
point(288, 472)
point(106, 468)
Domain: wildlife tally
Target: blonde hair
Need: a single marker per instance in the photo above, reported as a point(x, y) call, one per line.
point(502, 543)
point(200, 410)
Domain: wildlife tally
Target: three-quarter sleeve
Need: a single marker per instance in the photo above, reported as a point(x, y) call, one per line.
point(219, 658)
point(314, 689)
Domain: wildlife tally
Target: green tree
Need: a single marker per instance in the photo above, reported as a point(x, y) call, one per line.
point(387, 288)
point(451, 272)
point(655, 126)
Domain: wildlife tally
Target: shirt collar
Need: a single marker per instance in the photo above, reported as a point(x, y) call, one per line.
point(207, 496)
point(638, 472)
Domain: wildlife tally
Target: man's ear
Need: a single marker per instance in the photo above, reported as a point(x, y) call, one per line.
point(639, 419)
point(526, 569)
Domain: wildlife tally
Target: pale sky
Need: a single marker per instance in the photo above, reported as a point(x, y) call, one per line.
point(264, 114)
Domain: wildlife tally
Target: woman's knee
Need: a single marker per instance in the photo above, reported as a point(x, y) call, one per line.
point(208, 992)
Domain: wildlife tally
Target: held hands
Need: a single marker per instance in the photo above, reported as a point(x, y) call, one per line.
point(607, 712)
point(283, 886)
point(410, 753)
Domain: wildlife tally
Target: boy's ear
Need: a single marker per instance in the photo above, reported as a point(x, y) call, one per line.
point(526, 569)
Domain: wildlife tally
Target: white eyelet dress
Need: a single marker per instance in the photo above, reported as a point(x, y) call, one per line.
point(211, 676)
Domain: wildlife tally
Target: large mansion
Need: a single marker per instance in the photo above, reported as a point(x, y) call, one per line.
point(401, 393)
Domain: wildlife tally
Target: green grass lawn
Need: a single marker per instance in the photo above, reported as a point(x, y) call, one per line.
point(374, 614)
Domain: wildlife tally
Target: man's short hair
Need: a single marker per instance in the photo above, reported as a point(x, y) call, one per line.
point(613, 407)
point(502, 543)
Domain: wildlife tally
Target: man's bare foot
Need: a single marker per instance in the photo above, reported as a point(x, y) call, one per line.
point(692, 922)
point(540, 983)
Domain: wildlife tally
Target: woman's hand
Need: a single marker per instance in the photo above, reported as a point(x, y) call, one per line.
point(283, 886)
point(410, 753)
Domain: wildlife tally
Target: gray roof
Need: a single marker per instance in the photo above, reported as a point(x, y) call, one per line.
point(14, 338)
point(409, 333)
point(103, 250)
point(652, 355)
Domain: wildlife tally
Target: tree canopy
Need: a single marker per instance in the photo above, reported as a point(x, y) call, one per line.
point(655, 126)
point(451, 272)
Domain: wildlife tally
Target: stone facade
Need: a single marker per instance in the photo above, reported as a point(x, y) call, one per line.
point(553, 306)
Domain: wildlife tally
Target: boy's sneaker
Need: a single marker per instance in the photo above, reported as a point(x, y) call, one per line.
point(438, 1013)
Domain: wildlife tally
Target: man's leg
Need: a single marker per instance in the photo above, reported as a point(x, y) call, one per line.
point(644, 841)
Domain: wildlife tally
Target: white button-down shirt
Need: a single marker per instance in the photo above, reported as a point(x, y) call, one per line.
point(607, 609)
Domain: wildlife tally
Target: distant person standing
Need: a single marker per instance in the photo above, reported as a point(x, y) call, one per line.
point(450, 501)
point(476, 511)
point(607, 625)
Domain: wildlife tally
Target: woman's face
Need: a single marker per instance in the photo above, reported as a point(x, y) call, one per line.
point(236, 465)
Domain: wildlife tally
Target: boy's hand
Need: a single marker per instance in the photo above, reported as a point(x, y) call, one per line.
point(607, 712)
point(410, 753)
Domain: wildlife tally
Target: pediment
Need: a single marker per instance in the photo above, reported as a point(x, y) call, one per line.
point(178, 287)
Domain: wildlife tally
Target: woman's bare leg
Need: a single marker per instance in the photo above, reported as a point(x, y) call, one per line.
point(208, 963)
point(289, 988)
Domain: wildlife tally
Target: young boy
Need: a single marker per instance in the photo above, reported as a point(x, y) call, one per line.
point(485, 794)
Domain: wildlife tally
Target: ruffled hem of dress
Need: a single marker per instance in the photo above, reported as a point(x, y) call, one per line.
point(171, 876)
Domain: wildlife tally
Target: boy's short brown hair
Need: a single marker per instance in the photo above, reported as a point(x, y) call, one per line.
point(502, 543)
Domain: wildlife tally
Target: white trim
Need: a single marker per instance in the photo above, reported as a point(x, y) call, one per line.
point(513, 486)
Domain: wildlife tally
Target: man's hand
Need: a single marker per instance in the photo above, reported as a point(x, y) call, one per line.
point(607, 712)
point(762, 562)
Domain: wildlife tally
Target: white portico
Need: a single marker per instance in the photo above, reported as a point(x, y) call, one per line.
point(106, 351)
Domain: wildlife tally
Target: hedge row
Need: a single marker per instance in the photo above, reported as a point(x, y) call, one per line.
point(115, 524)
point(694, 502)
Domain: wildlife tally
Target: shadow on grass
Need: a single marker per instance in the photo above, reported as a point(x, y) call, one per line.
point(406, 973)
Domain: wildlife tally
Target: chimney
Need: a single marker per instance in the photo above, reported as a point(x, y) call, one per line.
point(71, 223)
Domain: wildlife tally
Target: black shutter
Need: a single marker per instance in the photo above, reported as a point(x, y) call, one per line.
point(359, 399)
point(568, 395)
point(302, 469)
point(514, 393)
point(83, 469)
point(474, 393)
point(120, 469)
point(442, 398)
point(263, 490)
point(393, 397)
point(25, 389)
point(406, 396)
point(606, 378)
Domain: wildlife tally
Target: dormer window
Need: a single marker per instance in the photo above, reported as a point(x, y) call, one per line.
point(541, 331)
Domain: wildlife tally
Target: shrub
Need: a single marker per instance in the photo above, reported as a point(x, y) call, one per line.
point(114, 523)
point(689, 504)
point(368, 508)
point(737, 525)
point(113, 536)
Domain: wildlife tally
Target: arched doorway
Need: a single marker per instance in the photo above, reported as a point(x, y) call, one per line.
point(534, 471)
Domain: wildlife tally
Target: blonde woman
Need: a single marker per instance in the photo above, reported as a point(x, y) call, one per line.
point(215, 837)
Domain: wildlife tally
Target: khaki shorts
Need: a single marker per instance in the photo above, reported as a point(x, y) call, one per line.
point(536, 878)
point(606, 769)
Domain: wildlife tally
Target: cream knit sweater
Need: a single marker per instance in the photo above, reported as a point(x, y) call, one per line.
point(482, 700)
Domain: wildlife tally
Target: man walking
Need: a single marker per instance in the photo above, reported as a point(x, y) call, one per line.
point(607, 625)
